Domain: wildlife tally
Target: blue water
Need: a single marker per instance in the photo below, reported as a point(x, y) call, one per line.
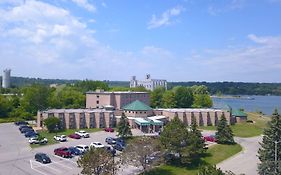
point(265, 104)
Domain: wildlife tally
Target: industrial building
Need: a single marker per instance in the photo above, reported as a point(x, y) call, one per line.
point(6, 78)
point(148, 83)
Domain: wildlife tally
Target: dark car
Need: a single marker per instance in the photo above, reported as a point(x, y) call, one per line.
point(109, 129)
point(24, 127)
point(31, 134)
point(25, 130)
point(21, 123)
point(120, 141)
point(74, 136)
point(74, 151)
point(42, 157)
point(110, 150)
point(63, 152)
point(118, 146)
point(110, 140)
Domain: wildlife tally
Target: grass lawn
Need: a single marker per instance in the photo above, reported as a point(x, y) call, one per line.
point(7, 120)
point(247, 129)
point(50, 136)
point(213, 156)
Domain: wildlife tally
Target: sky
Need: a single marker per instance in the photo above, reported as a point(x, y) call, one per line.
point(176, 40)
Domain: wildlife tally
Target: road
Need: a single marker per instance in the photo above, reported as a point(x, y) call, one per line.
point(246, 161)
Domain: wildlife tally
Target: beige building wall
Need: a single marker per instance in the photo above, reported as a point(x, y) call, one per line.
point(99, 99)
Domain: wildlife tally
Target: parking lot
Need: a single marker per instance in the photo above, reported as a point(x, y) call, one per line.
point(17, 158)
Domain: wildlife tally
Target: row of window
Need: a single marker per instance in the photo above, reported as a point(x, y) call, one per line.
point(136, 112)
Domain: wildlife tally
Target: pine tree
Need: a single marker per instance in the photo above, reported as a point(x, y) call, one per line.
point(224, 133)
point(266, 153)
point(123, 127)
point(196, 144)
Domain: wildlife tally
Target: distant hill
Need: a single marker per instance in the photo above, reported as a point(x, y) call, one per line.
point(228, 88)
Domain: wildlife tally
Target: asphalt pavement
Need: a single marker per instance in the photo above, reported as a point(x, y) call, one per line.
point(246, 161)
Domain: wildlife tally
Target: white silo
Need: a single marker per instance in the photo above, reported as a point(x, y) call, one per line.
point(6, 78)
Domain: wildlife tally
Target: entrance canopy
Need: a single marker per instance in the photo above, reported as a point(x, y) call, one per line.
point(143, 122)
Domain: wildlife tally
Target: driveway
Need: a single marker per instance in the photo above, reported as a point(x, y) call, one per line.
point(246, 161)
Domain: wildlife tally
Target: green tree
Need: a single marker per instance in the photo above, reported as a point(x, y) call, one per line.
point(52, 123)
point(156, 97)
point(123, 127)
point(97, 162)
point(139, 89)
point(184, 97)
point(266, 153)
point(5, 106)
point(210, 170)
point(169, 99)
point(69, 98)
point(224, 133)
point(196, 144)
point(88, 85)
point(175, 138)
point(35, 97)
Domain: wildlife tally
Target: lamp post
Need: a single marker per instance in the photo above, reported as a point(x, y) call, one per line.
point(57, 127)
point(275, 155)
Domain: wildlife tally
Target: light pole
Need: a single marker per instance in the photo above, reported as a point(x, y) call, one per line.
point(275, 155)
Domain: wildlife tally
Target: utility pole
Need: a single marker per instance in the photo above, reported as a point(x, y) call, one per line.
point(275, 156)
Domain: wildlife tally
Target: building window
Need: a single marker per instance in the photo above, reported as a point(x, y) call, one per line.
point(98, 102)
point(140, 112)
point(145, 112)
point(98, 96)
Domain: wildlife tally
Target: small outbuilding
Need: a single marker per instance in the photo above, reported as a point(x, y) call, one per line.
point(239, 115)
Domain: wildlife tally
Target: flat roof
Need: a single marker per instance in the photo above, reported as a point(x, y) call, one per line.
point(157, 117)
point(190, 110)
point(74, 110)
point(116, 92)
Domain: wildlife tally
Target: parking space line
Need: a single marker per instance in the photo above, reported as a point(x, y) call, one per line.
point(36, 169)
point(64, 159)
point(44, 165)
point(63, 165)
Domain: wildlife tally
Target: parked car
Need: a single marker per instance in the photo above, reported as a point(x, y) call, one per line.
point(35, 140)
point(110, 140)
point(110, 150)
point(109, 129)
point(83, 134)
point(21, 123)
point(74, 136)
point(118, 147)
point(60, 138)
point(25, 130)
point(31, 134)
point(210, 138)
point(63, 152)
point(82, 148)
point(42, 157)
point(96, 145)
point(74, 151)
point(120, 141)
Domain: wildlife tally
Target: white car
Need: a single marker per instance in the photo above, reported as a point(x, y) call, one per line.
point(83, 134)
point(82, 148)
point(96, 145)
point(61, 138)
point(34, 140)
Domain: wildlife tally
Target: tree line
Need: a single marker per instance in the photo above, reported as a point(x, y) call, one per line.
point(181, 97)
point(228, 88)
point(25, 101)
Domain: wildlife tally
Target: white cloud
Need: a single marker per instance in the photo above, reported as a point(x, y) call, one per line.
point(86, 5)
point(258, 63)
point(104, 4)
point(166, 17)
point(156, 52)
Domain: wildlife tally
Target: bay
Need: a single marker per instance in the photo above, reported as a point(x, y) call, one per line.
point(256, 103)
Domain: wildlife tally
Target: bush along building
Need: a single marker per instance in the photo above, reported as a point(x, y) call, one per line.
point(104, 109)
